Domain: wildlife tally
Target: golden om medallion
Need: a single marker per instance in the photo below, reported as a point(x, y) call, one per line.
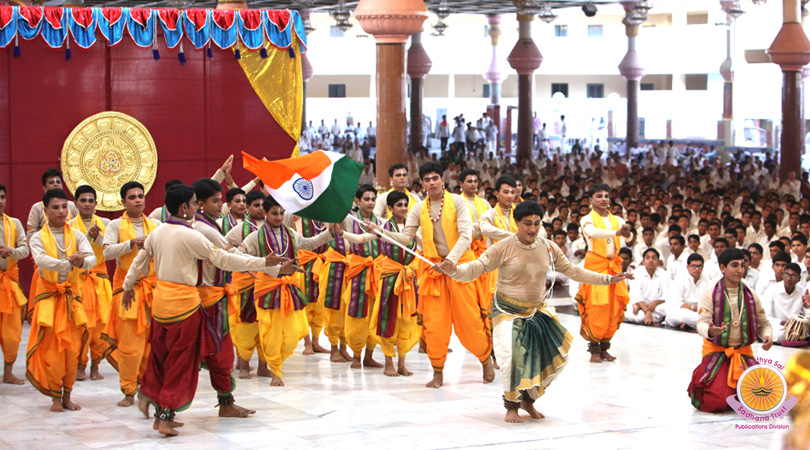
point(105, 151)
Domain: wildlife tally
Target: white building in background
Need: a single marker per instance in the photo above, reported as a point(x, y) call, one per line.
point(681, 47)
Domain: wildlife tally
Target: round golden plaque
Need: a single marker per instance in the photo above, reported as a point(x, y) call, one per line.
point(105, 151)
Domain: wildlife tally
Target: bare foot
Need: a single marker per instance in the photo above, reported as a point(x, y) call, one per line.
point(607, 356)
point(94, 375)
point(143, 405)
point(437, 381)
point(489, 372)
point(234, 411)
point(244, 374)
point(128, 400)
point(336, 356)
point(529, 408)
point(165, 427)
point(635, 309)
point(344, 353)
point(389, 367)
point(422, 348)
point(81, 373)
point(308, 350)
point(276, 380)
point(512, 416)
point(495, 363)
point(174, 423)
point(56, 406)
point(596, 358)
point(682, 326)
point(318, 347)
point(356, 363)
point(8, 377)
point(263, 371)
point(68, 404)
point(368, 361)
point(401, 369)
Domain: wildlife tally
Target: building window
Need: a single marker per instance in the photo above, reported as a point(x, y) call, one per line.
point(561, 30)
point(486, 90)
point(559, 87)
point(337, 90)
point(335, 31)
point(596, 90)
point(697, 81)
point(647, 86)
point(595, 31)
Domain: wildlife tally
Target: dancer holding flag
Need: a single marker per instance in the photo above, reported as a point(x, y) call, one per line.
point(318, 186)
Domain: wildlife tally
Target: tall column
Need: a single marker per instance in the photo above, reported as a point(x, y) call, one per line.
point(525, 58)
point(791, 51)
point(418, 67)
point(391, 23)
point(494, 76)
point(727, 71)
point(631, 70)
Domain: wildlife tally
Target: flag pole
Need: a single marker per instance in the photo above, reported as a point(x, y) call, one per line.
point(388, 239)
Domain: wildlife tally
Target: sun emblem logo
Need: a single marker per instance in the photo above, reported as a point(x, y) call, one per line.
point(303, 188)
point(762, 389)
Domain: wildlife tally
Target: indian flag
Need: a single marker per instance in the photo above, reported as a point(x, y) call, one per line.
point(319, 186)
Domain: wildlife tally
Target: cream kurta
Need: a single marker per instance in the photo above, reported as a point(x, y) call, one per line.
point(176, 250)
point(234, 237)
point(251, 243)
point(19, 249)
point(99, 240)
point(522, 272)
point(705, 308)
point(471, 202)
point(36, 217)
point(492, 232)
point(216, 238)
point(115, 250)
point(590, 232)
point(60, 265)
point(463, 221)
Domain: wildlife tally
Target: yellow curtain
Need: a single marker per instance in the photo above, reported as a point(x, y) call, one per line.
point(278, 82)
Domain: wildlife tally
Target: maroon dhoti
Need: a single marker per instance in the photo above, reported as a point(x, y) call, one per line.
point(171, 374)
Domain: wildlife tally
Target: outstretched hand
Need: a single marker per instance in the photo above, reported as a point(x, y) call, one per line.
point(767, 343)
point(274, 260)
point(371, 227)
point(446, 267)
point(290, 267)
point(621, 277)
point(715, 330)
point(625, 230)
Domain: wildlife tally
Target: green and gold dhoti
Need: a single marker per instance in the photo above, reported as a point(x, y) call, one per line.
point(531, 346)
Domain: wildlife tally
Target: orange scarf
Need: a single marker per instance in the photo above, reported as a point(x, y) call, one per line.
point(266, 284)
point(10, 291)
point(126, 233)
point(736, 369)
point(403, 287)
point(98, 250)
point(174, 302)
point(600, 245)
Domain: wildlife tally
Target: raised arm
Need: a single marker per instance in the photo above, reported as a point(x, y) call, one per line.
point(574, 272)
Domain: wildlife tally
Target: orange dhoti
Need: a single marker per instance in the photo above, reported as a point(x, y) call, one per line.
point(58, 333)
point(601, 308)
point(96, 294)
point(446, 304)
point(330, 285)
point(127, 332)
point(12, 301)
point(393, 319)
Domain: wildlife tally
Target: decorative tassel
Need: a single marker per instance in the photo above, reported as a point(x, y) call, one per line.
point(208, 51)
point(16, 51)
point(237, 54)
point(155, 54)
point(16, 41)
point(292, 52)
point(67, 49)
point(181, 56)
point(263, 52)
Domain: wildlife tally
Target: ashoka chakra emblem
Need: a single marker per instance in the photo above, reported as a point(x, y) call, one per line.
point(303, 188)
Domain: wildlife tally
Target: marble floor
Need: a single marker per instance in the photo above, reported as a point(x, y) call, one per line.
point(639, 401)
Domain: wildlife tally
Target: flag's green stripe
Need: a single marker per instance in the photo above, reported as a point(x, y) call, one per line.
point(335, 202)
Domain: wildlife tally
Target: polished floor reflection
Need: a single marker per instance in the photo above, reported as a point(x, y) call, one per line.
point(639, 401)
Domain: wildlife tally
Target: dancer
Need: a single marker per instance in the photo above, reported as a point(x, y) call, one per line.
point(530, 343)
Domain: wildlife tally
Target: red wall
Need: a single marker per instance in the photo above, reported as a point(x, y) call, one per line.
point(197, 113)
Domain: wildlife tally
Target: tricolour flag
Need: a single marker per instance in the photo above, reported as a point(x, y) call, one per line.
point(319, 186)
